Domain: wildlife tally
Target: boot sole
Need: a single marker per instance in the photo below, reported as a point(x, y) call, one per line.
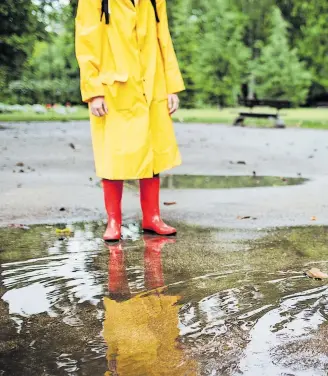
point(111, 241)
point(152, 232)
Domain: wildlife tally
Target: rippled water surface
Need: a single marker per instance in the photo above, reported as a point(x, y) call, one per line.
point(209, 302)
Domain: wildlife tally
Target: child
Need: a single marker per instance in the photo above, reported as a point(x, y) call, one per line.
point(129, 77)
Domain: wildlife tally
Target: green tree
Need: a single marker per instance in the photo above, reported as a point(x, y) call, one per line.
point(257, 13)
point(184, 27)
point(51, 72)
point(221, 56)
point(313, 41)
point(278, 71)
point(20, 27)
point(55, 58)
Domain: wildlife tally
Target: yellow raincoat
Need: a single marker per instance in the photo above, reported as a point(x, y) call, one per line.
point(130, 61)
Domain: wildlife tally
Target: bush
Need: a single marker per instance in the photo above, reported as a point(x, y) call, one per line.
point(45, 91)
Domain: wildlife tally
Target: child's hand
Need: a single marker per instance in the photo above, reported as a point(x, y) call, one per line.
point(173, 103)
point(98, 106)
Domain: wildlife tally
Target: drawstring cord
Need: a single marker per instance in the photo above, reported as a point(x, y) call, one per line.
point(106, 11)
point(155, 9)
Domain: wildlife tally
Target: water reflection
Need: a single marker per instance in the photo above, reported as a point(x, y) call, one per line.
point(141, 330)
point(207, 303)
point(224, 182)
point(65, 273)
point(276, 332)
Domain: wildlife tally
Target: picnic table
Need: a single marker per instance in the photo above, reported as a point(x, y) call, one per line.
point(251, 103)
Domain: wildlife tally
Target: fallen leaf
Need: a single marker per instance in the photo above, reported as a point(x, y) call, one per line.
point(170, 203)
point(65, 232)
point(314, 218)
point(316, 274)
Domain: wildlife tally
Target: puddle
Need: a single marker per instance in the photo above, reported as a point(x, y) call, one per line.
point(224, 182)
point(206, 303)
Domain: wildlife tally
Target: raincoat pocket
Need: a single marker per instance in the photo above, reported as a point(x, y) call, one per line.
point(121, 90)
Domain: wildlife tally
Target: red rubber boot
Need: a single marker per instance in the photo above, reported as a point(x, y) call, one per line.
point(118, 285)
point(149, 197)
point(113, 190)
point(154, 277)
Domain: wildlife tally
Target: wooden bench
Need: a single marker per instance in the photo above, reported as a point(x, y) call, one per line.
point(251, 103)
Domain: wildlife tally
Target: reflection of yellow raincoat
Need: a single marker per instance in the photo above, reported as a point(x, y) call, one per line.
point(131, 61)
point(142, 333)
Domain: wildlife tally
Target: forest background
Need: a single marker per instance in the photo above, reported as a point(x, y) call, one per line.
point(279, 48)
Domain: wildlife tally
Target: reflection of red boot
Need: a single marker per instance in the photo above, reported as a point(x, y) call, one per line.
point(113, 190)
point(149, 197)
point(153, 261)
point(118, 282)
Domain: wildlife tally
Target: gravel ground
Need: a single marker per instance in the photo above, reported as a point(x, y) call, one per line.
point(55, 171)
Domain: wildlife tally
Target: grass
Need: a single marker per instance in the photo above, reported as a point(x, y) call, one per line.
point(299, 117)
point(80, 114)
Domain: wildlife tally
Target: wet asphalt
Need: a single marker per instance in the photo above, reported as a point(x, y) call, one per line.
point(47, 175)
